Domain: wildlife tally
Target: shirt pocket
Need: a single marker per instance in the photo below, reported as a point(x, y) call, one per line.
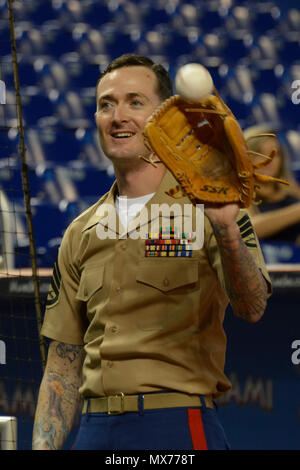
point(165, 288)
point(91, 284)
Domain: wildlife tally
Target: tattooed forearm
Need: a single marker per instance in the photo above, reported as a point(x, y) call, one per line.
point(59, 400)
point(68, 351)
point(245, 285)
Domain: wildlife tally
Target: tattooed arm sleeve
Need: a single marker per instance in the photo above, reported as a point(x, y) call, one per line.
point(245, 285)
point(59, 401)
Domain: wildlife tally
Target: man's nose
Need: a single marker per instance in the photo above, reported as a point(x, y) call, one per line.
point(120, 114)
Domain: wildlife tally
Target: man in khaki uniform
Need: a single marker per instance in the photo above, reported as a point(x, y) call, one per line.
point(135, 316)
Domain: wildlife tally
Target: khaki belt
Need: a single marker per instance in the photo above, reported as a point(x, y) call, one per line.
point(120, 403)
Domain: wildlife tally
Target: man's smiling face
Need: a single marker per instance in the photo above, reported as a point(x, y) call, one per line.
point(126, 97)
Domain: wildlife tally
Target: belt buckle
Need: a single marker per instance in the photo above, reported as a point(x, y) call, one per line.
point(113, 410)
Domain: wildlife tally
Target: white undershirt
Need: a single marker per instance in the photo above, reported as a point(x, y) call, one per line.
point(128, 208)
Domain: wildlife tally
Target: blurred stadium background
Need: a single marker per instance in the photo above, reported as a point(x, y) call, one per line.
point(252, 49)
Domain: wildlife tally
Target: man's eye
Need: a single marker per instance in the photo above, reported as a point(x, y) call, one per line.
point(137, 103)
point(104, 105)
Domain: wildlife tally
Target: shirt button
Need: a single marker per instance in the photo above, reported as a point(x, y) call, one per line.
point(166, 282)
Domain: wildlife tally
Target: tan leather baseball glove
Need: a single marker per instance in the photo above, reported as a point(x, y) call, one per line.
point(203, 146)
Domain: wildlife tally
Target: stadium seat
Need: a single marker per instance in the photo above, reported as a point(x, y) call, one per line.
point(35, 106)
point(5, 45)
point(89, 183)
point(98, 12)
point(212, 17)
point(289, 51)
point(82, 74)
point(239, 85)
point(291, 139)
point(290, 21)
point(51, 73)
point(155, 14)
point(266, 47)
point(29, 40)
point(186, 15)
point(120, 40)
point(237, 47)
point(48, 222)
point(35, 11)
point(265, 109)
point(266, 17)
point(58, 40)
point(267, 77)
point(178, 43)
point(289, 112)
point(88, 42)
point(239, 18)
point(68, 111)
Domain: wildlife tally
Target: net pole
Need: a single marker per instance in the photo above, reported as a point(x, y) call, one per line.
point(25, 183)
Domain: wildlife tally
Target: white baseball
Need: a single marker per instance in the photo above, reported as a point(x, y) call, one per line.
point(193, 82)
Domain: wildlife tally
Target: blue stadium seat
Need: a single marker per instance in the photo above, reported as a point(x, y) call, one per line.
point(237, 46)
point(267, 17)
point(239, 85)
point(185, 15)
point(98, 12)
point(239, 17)
point(289, 51)
point(267, 77)
point(5, 44)
point(68, 111)
point(8, 147)
point(58, 40)
point(29, 40)
point(48, 222)
point(155, 14)
point(153, 43)
point(35, 106)
point(52, 74)
point(291, 140)
point(241, 110)
point(266, 47)
point(178, 43)
point(67, 12)
point(90, 183)
point(290, 21)
point(11, 181)
point(57, 145)
point(37, 12)
point(51, 146)
point(289, 112)
point(265, 108)
point(120, 39)
point(82, 74)
point(212, 17)
point(88, 41)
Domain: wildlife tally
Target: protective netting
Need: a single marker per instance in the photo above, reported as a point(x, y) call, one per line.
point(22, 350)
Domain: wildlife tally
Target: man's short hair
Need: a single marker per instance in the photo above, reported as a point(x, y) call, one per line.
point(164, 81)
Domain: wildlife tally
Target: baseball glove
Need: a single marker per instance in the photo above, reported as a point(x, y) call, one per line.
point(203, 146)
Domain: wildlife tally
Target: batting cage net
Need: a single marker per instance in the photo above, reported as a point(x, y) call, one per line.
point(22, 351)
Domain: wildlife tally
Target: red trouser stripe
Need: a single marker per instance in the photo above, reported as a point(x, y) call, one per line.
point(196, 429)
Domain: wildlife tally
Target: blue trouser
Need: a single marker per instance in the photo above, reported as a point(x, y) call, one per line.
point(159, 429)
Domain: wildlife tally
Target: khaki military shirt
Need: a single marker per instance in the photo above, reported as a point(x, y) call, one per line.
point(148, 322)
